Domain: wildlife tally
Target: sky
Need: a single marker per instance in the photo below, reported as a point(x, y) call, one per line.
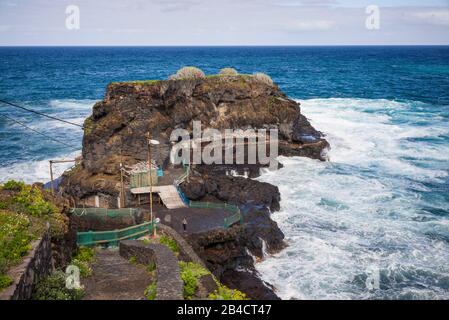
point(223, 22)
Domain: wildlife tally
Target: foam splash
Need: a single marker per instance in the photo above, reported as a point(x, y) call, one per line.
point(37, 171)
point(372, 206)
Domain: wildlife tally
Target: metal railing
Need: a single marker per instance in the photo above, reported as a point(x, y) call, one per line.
point(112, 238)
point(103, 213)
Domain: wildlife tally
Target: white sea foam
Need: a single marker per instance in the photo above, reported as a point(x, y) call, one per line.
point(364, 208)
point(36, 171)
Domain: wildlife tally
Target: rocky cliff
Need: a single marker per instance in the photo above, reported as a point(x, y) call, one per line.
point(116, 133)
point(116, 130)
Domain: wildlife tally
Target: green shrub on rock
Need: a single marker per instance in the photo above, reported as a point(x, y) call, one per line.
point(15, 242)
point(228, 72)
point(188, 73)
point(54, 287)
point(5, 281)
point(169, 242)
point(224, 293)
point(13, 185)
point(84, 257)
point(151, 291)
point(264, 78)
point(190, 275)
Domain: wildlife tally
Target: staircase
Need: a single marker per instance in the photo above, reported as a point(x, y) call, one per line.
point(170, 197)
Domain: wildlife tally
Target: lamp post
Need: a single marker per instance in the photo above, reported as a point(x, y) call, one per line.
point(150, 143)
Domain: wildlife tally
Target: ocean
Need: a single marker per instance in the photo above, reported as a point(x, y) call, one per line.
point(379, 209)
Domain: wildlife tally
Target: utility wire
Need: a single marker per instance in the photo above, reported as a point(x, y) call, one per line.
point(38, 132)
point(41, 114)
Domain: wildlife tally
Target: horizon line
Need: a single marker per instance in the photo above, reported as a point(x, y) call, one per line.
point(230, 45)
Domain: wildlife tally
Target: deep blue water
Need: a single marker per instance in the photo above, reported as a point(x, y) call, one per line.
point(382, 200)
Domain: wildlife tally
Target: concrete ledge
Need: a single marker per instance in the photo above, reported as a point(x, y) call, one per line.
point(169, 282)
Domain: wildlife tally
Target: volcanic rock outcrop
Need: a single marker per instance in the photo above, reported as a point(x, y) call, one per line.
point(116, 133)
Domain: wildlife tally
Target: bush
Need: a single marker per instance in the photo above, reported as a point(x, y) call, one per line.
point(5, 281)
point(169, 242)
point(190, 274)
point(85, 254)
point(15, 239)
point(84, 257)
point(228, 72)
point(151, 291)
point(188, 73)
point(30, 200)
point(262, 77)
point(151, 268)
point(13, 185)
point(224, 293)
point(54, 287)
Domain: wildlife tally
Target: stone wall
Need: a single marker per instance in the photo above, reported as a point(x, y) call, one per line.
point(186, 252)
point(36, 265)
point(169, 283)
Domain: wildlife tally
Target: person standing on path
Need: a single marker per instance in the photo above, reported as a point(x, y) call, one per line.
point(184, 224)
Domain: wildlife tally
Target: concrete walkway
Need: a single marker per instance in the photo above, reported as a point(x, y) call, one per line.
point(114, 278)
point(198, 219)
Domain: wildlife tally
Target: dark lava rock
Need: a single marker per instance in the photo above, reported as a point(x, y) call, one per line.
point(237, 190)
point(254, 287)
point(116, 130)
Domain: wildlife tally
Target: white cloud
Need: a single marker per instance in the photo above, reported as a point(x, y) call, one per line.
point(434, 17)
point(310, 25)
point(5, 28)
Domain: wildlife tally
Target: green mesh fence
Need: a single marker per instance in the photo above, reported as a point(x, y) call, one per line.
point(98, 213)
point(228, 221)
point(142, 179)
point(112, 238)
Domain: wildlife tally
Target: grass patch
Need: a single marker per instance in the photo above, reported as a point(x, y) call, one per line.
point(5, 281)
point(133, 260)
point(169, 242)
point(15, 242)
point(151, 268)
point(83, 259)
point(143, 82)
point(190, 275)
point(54, 287)
point(224, 293)
point(35, 203)
point(151, 291)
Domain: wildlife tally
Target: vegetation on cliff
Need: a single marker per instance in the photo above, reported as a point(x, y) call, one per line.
point(25, 213)
point(54, 287)
point(191, 273)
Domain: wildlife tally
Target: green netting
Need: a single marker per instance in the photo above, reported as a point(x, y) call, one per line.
point(214, 205)
point(237, 217)
point(98, 213)
point(142, 179)
point(112, 238)
point(229, 221)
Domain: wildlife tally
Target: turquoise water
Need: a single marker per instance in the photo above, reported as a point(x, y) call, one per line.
point(381, 203)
